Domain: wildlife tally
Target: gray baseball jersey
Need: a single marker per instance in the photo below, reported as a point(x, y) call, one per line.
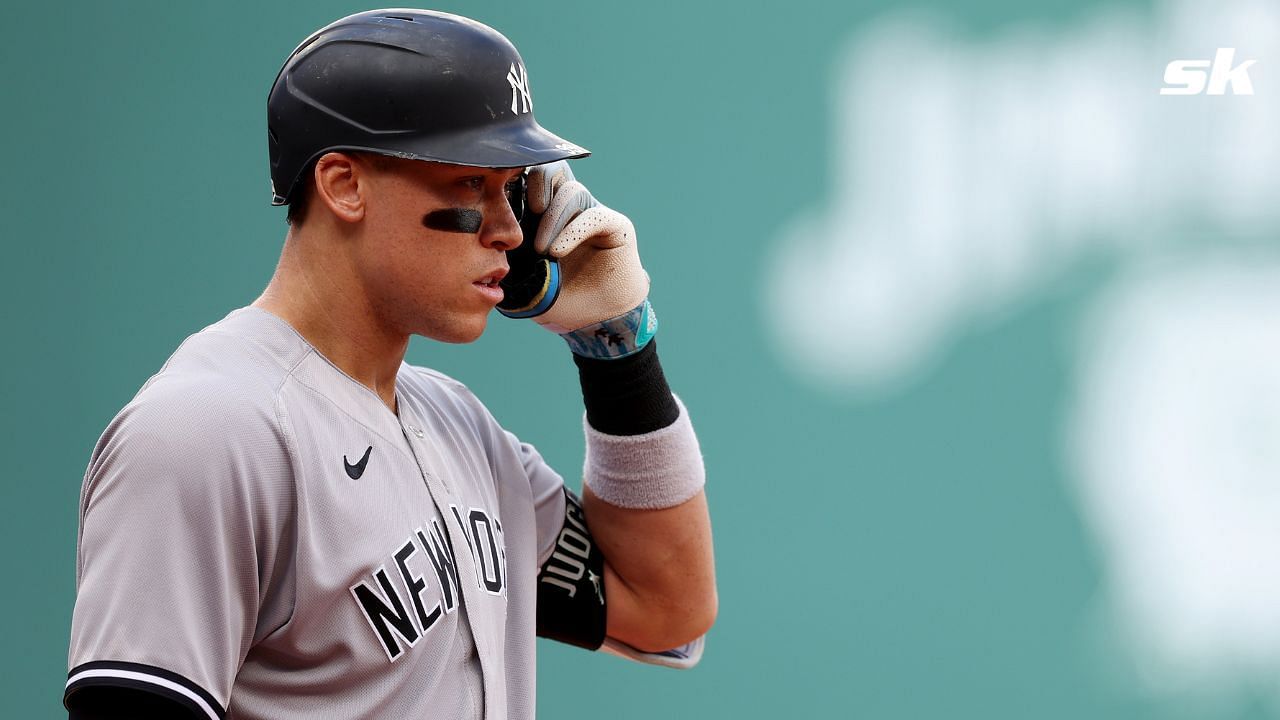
point(261, 537)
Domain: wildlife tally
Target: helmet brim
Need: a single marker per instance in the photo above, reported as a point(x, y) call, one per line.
point(520, 144)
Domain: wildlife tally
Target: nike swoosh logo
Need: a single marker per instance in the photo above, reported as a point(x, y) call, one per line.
point(355, 471)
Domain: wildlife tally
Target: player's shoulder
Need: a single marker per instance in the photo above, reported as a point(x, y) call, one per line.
point(215, 396)
point(247, 348)
point(200, 440)
point(229, 366)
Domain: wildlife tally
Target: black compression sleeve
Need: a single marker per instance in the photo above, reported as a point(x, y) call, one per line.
point(629, 395)
point(122, 703)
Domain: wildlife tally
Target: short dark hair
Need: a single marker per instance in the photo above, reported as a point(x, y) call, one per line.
point(301, 195)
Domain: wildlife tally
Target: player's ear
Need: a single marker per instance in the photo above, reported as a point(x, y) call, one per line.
point(341, 183)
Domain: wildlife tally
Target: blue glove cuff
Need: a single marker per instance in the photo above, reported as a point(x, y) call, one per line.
point(616, 337)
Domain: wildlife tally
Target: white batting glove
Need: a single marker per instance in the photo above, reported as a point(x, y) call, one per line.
point(602, 310)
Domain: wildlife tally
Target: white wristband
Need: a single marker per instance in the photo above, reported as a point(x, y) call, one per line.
point(658, 469)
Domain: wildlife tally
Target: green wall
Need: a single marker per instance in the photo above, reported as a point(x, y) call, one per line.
point(905, 547)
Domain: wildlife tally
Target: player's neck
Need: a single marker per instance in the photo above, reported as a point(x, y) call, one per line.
point(313, 295)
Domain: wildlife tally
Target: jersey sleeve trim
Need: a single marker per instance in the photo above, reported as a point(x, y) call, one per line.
point(143, 677)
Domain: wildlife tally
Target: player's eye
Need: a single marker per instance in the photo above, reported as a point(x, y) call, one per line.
point(475, 183)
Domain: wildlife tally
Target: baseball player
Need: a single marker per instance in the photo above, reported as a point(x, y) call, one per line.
point(288, 521)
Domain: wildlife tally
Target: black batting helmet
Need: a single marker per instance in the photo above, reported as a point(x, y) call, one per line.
point(408, 83)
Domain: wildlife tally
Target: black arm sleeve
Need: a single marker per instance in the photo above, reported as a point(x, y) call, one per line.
point(122, 703)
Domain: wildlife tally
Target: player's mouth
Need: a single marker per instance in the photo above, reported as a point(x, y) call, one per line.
point(489, 285)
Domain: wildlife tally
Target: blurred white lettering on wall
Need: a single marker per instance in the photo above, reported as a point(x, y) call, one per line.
point(983, 170)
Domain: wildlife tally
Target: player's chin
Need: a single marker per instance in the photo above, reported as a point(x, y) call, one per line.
point(463, 329)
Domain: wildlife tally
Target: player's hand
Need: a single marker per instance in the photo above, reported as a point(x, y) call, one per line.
point(602, 309)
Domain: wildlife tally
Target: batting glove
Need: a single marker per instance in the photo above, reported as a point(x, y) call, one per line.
point(602, 309)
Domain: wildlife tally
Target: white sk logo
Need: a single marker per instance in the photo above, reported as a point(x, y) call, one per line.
point(519, 80)
point(1187, 77)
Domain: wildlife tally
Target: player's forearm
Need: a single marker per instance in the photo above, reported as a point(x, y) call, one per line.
point(660, 571)
point(644, 503)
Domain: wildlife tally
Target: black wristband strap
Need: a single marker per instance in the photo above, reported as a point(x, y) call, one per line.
point(627, 395)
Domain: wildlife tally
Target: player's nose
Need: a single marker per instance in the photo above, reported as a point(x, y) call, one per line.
point(501, 229)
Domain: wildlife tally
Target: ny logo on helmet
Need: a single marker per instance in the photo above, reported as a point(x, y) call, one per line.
point(519, 80)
